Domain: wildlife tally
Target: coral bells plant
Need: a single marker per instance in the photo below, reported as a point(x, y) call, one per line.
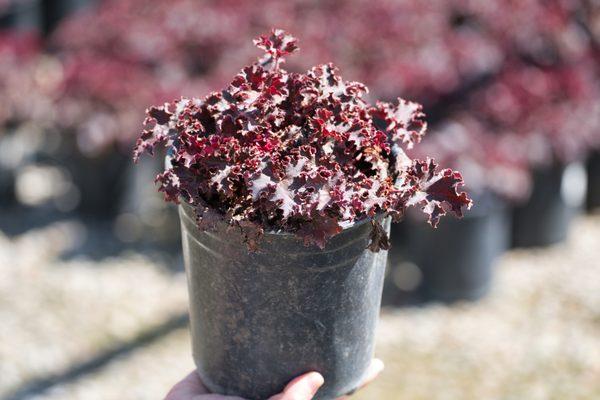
point(298, 153)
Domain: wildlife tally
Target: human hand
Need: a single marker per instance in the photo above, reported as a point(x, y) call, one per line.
point(303, 387)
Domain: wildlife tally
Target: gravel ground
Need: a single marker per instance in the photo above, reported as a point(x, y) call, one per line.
point(537, 336)
point(58, 313)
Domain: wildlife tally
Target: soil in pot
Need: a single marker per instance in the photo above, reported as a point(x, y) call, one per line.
point(453, 262)
point(593, 187)
point(22, 15)
point(259, 319)
point(558, 194)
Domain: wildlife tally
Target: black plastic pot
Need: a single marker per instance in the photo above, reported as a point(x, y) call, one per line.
point(260, 319)
point(56, 10)
point(557, 195)
point(7, 187)
point(100, 181)
point(22, 15)
point(593, 187)
point(99, 178)
point(456, 259)
point(7, 175)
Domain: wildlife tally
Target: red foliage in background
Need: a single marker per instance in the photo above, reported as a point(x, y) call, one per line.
point(126, 54)
point(159, 50)
point(293, 152)
point(28, 81)
point(554, 112)
point(543, 31)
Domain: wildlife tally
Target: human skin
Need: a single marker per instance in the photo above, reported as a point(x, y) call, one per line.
point(303, 387)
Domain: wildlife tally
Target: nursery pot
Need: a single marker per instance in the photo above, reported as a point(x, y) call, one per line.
point(456, 259)
point(558, 193)
point(593, 171)
point(7, 186)
point(260, 319)
point(22, 15)
point(99, 177)
point(100, 180)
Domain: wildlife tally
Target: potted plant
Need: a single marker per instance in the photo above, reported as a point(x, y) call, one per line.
point(286, 183)
point(545, 95)
point(549, 113)
point(461, 268)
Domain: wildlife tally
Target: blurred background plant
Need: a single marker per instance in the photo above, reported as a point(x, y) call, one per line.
point(510, 89)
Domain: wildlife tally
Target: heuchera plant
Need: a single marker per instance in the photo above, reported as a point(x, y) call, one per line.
point(300, 153)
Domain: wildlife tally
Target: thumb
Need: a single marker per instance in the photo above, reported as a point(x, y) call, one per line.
point(303, 387)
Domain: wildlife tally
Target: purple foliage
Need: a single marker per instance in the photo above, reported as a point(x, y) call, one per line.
point(296, 152)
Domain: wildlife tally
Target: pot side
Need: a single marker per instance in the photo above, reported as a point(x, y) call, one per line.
point(260, 319)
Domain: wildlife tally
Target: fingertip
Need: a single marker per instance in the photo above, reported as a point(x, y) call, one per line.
point(304, 386)
point(316, 378)
point(312, 380)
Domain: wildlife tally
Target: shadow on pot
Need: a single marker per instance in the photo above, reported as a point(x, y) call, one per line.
point(557, 195)
point(451, 263)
